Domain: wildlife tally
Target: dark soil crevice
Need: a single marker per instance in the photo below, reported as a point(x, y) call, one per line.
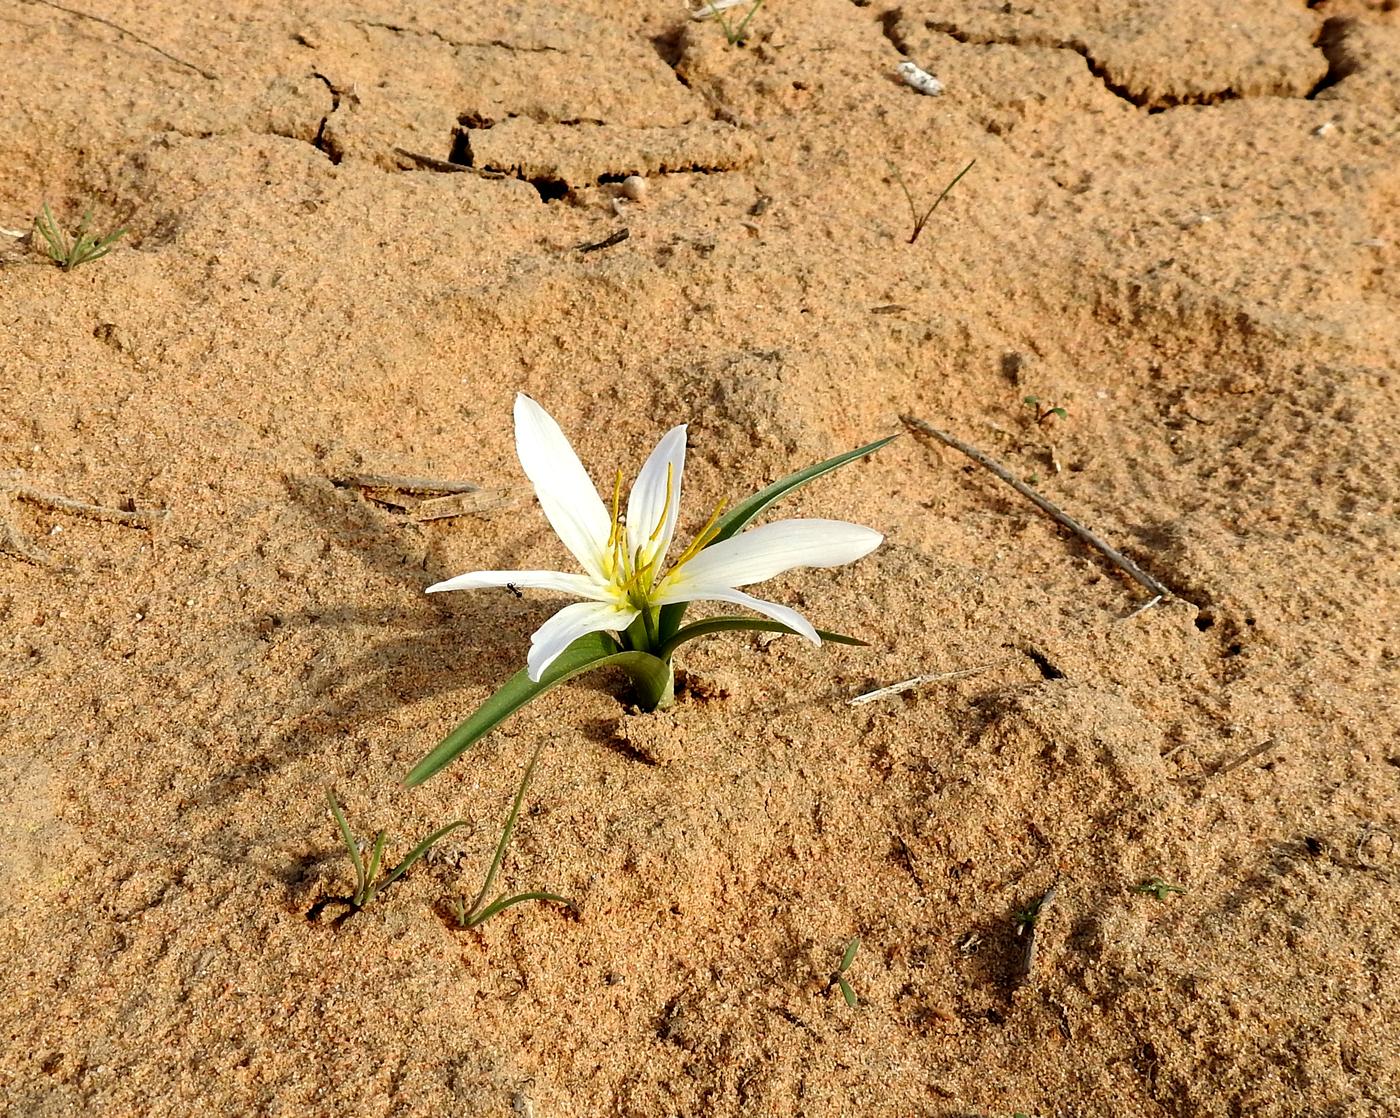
point(1341, 63)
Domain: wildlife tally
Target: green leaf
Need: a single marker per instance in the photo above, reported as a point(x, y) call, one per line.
point(711, 625)
point(418, 851)
point(850, 956)
point(592, 650)
point(741, 515)
point(848, 993)
point(506, 902)
point(506, 832)
point(349, 839)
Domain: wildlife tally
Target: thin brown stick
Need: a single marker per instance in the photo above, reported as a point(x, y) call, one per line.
point(607, 242)
point(1231, 766)
point(1031, 928)
point(1112, 554)
point(203, 73)
point(403, 484)
point(432, 163)
point(135, 518)
point(463, 504)
point(922, 680)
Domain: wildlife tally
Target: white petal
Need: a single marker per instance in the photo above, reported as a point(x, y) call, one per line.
point(789, 617)
point(581, 586)
point(656, 497)
point(568, 625)
point(566, 494)
point(769, 550)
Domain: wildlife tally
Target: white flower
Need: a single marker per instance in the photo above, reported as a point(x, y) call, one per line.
point(622, 556)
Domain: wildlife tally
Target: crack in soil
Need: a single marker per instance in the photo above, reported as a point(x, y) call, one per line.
point(1341, 63)
point(1097, 68)
point(319, 142)
point(455, 44)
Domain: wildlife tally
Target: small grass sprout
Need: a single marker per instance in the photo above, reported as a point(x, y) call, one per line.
point(82, 247)
point(481, 910)
point(920, 220)
point(715, 9)
point(838, 976)
point(1044, 412)
point(368, 883)
point(1157, 887)
point(634, 602)
point(1024, 918)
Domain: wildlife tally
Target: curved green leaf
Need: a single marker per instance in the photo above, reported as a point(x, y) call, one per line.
point(508, 902)
point(593, 650)
point(711, 625)
point(741, 515)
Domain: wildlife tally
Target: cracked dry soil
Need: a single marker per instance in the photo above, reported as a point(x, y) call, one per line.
point(1181, 227)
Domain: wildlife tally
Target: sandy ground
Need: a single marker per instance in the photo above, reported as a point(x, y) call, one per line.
point(1183, 227)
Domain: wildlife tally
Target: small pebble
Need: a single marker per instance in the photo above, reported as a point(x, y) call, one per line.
point(917, 78)
point(634, 187)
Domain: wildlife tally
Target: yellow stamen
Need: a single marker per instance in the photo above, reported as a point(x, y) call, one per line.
point(611, 555)
point(702, 538)
point(665, 508)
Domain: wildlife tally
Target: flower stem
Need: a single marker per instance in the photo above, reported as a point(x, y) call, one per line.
point(656, 691)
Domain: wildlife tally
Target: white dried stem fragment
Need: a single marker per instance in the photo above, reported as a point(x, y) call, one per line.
point(917, 78)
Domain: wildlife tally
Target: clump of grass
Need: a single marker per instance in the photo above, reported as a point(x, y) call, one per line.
point(481, 910)
point(368, 883)
point(84, 246)
point(838, 976)
point(920, 220)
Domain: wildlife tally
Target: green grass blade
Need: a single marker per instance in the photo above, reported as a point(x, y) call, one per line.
point(48, 229)
point(507, 902)
point(421, 849)
point(743, 25)
point(506, 832)
point(593, 650)
point(349, 840)
point(376, 855)
point(739, 517)
point(946, 191)
point(711, 625)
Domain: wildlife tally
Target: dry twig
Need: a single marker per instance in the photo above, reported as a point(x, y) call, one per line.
point(432, 163)
point(464, 504)
point(1112, 554)
point(15, 542)
point(1249, 755)
point(203, 73)
point(921, 680)
point(607, 242)
point(403, 484)
point(1029, 925)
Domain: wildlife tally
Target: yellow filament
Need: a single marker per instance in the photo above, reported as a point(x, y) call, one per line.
point(615, 531)
point(665, 508)
point(702, 538)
